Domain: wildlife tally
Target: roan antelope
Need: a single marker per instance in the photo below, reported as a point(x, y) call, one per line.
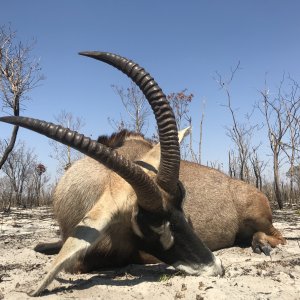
point(129, 198)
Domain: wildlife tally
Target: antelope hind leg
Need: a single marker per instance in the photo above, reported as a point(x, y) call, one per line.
point(260, 243)
point(89, 231)
point(264, 242)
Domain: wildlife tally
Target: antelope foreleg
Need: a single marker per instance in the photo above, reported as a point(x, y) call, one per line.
point(90, 230)
point(49, 248)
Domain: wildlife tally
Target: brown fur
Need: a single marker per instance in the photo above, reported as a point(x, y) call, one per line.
point(224, 210)
point(221, 210)
point(117, 139)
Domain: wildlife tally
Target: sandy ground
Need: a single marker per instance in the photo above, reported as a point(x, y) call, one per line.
point(248, 275)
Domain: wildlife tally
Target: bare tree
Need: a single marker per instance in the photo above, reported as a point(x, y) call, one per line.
point(6, 194)
point(239, 133)
point(18, 168)
point(296, 175)
point(65, 155)
point(258, 167)
point(195, 155)
point(278, 112)
point(292, 149)
point(215, 164)
point(232, 164)
point(200, 134)
point(19, 74)
point(180, 103)
point(136, 107)
point(35, 186)
point(21, 183)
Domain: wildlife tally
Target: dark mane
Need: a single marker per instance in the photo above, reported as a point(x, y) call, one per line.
point(117, 139)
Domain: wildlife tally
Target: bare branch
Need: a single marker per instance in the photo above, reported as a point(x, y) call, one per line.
point(239, 133)
point(19, 74)
point(66, 155)
point(281, 115)
point(135, 105)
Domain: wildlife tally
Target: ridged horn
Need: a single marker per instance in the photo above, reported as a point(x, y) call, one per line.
point(147, 191)
point(168, 172)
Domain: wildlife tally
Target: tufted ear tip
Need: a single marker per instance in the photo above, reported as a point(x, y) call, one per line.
point(183, 133)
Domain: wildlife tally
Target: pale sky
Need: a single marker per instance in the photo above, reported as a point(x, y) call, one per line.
point(181, 44)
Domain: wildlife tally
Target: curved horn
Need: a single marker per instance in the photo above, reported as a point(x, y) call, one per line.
point(147, 191)
point(168, 172)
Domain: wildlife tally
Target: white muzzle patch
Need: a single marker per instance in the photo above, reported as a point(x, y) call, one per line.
point(214, 269)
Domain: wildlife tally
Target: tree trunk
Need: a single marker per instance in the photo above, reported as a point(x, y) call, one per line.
point(278, 193)
point(10, 146)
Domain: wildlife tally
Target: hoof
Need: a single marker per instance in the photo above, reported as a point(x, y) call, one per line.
point(257, 250)
point(265, 249)
point(32, 294)
point(35, 293)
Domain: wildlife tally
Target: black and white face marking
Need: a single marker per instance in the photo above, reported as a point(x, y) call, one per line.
point(160, 224)
point(149, 226)
point(168, 236)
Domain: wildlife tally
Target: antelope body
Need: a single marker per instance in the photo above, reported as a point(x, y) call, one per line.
point(222, 211)
point(130, 201)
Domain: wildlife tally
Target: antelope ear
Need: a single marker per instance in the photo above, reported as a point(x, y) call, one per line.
point(153, 156)
point(183, 133)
